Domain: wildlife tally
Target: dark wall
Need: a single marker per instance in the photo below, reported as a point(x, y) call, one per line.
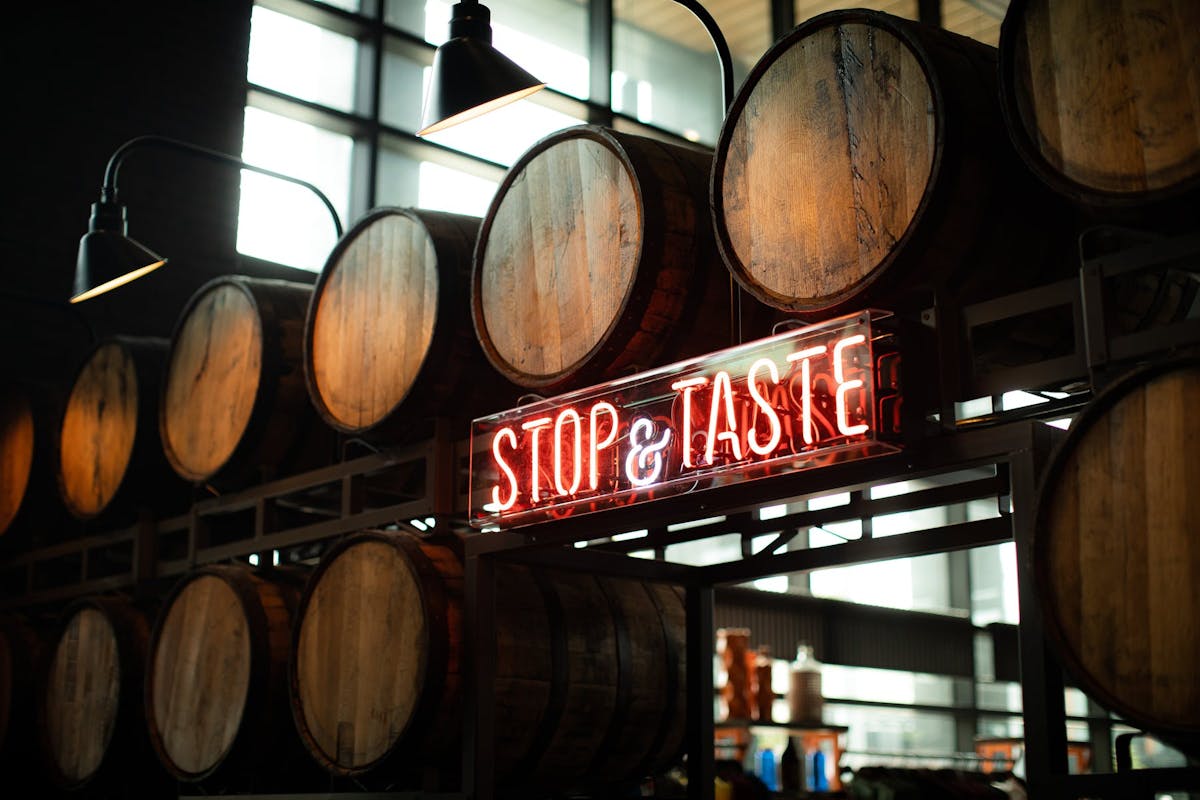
point(81, 79)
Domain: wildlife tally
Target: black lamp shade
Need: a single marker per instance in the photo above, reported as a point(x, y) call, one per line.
point(470, 77)
point(108, 259)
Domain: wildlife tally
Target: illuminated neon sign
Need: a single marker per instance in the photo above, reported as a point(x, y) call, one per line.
point(810, 397)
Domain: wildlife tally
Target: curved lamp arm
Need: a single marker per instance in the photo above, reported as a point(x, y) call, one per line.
point(109, 191)
point(722, 47)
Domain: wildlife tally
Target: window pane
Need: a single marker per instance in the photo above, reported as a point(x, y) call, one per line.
point(994, 582)
point(301, 59)
point(403, 91)
point(665, 69)
point(979, 19)
point(445, 189)
point(277, 220)
point(806, 9)
point(546, 37)
point(916, 584)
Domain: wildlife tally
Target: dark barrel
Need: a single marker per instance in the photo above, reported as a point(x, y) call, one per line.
point(91, 727)
point(1115, 551)
point(21, 653)
point(235, 409)
point(17, 444)
point(216, 682)
point(109, 453)
point(388, 338)
point(1100, 100)
point(590, 672)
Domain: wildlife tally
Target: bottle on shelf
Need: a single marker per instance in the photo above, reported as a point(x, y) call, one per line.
point(766, 768)
point(764, 695)
point(817, 780)
point(805, 701)
point(791, 768)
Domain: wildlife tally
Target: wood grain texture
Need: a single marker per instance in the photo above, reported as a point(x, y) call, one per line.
point(16, 455)
point(82, 695)
point(1109, 92)
point(561, 256)
point(360, 656)
point(373, 321)
point(200, 675)
point(212, 380)
point(99, 429)
point(1117, 556)
point(828, 161)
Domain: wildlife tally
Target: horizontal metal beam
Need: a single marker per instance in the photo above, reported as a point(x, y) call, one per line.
point(936, 540)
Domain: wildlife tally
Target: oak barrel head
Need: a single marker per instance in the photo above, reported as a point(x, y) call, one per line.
point(235, 409)
point(1115, 552)
point(98, 431)
point(216, 695)
point(864, 163)
point(16, 455)
point(1101, 98)
point(199, 679)
point(596, 259)
point(388, 337)
point(212, 380)
point(363, 643)
point(109, 456)
point(91, 729)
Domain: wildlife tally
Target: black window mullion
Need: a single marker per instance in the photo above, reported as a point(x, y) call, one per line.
point(783, 18)
point(600, 61)
point(930, 12)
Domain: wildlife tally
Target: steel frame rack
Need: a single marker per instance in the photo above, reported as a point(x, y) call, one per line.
point(426, 479)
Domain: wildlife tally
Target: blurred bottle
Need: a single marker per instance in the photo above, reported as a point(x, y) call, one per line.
point(817, 781)
point(734, 646)
point(805, 702)
point(765, 767)
point(763, 693)
point(791, 768)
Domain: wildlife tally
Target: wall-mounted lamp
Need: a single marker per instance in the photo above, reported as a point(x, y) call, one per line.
point(108, 258)
point(470, 77)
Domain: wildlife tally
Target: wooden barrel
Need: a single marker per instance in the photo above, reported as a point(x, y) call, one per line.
point(1096, 97)
point(590, 672)
point(235, 409)
point(109, 454)
point(16, 454)
point(596, 260)
point(864, 163)
point(216, 686)
point(20, 659)
point(388, 339)
point(1115, 554)
point(91, 727)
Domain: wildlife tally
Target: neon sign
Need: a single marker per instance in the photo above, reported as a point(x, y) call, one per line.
point(813, 396)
